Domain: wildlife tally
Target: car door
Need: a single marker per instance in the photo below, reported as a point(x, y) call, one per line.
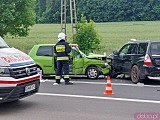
point(129, 57)
point(45, 59)
point(124, 58)
point(139, 58)
point(77, 62)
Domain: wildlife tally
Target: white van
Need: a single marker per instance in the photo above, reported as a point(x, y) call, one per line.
point(18, 74)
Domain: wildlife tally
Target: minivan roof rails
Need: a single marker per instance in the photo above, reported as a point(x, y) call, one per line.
point(134, 40)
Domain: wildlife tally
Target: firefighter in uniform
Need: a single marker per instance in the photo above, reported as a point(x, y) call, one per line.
point(62, 52)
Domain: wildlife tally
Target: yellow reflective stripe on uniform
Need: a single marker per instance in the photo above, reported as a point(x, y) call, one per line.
point(63, 58)
point(66, 76)
point(69, 53)
point(58, 77)
point(60, 48)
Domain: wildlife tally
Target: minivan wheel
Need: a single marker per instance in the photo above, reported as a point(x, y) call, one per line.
point(135, 74)
point(92, 72)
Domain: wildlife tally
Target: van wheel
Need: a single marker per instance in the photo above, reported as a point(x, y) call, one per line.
point(135, 74)
point(92, 72)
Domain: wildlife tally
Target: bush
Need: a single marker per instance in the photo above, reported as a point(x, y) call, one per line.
point(86, 36)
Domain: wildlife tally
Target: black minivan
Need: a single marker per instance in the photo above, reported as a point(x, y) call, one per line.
point(140, 59)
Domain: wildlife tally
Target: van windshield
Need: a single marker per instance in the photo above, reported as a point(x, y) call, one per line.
point(3, 44)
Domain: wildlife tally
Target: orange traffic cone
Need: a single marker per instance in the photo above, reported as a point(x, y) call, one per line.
point(108, 90)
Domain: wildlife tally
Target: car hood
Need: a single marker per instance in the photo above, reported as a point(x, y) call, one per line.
point(96, 56)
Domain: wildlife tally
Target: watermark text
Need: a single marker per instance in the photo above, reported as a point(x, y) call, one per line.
point(147, 116)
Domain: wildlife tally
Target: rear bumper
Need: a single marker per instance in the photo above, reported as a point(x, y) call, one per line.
point(12, 93)
point(152, 71)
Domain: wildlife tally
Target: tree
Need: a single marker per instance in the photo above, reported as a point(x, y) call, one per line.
point(86, 36)
point(16, 17)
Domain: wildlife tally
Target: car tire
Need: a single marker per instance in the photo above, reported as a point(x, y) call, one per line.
point(135, 74)
point(92, 73)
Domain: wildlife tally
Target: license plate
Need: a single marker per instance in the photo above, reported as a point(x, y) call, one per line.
point(30, 87)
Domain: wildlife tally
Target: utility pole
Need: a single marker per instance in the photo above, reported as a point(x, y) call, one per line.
point(63, 16)
point(72, 14)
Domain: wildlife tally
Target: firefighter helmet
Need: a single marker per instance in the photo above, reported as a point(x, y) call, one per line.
point(61, 36)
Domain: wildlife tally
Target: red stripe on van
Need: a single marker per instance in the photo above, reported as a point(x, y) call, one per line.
point(21, 81)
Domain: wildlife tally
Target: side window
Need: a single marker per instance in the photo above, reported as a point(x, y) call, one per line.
point(132, 49)
point(45, 51)
point(124, 49)
point(142, 48)
point(129, 49)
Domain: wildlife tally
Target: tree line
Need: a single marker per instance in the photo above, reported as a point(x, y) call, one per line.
point(18, 15)
point(49, 11)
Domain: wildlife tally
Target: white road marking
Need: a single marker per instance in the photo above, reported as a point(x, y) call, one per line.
point(102, 83)
point(102, 98)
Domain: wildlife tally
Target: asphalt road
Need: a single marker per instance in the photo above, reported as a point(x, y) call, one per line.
point(85, 100)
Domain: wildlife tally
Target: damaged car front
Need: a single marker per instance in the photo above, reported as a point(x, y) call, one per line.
point(92, 65)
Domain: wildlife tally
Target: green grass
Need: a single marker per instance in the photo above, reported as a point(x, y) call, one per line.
point(114, 34)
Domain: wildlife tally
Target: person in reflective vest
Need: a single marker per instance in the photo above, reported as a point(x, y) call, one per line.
point(62, 52)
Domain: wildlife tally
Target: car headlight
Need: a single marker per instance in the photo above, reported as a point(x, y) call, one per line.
point(106, 64)
point(4, 72)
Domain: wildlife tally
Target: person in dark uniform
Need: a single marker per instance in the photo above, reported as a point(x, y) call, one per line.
point(62, 52)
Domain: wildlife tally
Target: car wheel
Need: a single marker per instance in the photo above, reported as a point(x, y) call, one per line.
point(92, 72)
point(135, 76)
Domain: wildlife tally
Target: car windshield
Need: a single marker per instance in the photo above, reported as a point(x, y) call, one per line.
point(3, 44)
point(82, 54)
point(155, 48)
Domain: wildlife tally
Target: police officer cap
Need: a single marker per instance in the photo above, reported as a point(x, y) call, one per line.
point(61, 36)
